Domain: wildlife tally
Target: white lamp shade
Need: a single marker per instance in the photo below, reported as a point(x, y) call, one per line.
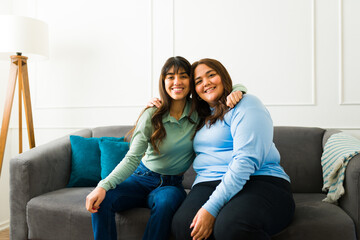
point(23, 34)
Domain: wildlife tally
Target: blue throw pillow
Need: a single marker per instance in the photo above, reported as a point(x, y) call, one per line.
point(85, 164)
point(111, 155)
point(115, 139)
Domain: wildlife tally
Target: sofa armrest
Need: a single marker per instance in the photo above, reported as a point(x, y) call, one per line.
point(40, 170)
point(350, 201)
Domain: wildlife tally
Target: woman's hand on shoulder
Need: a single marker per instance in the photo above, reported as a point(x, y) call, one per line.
point(202, 224)
point(154, 102)
point(94, 199)
point(233, 98)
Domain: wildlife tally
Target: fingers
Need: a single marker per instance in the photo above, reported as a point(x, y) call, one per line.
point(207, 234)
point(234, 98)
point(94, 199)
point(90, 204)
point(157, 102)
point(238, 96)
point(193, 224)
point(154, 102)
point(195, 232)
point(202, 224)
point(96, 205)
point(200, 233)
point(229, 101)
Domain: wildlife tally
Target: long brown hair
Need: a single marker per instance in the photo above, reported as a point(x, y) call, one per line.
point(159, 133)
point(201, 106)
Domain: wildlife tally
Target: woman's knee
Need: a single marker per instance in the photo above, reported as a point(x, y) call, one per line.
point(105, 208)
point(168, 198)
point(109, 201)
point(247, 231)
point(235, 229)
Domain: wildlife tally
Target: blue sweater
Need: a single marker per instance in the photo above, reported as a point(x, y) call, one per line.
point(235, 149)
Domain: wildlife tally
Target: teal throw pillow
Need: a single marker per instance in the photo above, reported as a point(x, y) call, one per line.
point(85, 164)
point(111, 155)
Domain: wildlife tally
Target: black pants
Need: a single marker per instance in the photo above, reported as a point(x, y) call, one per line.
point(264, 207)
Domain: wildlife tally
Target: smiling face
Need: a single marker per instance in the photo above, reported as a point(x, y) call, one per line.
point(208, 84)
point(177, 84)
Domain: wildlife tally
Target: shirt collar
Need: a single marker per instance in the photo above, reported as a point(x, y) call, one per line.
point(168, 118)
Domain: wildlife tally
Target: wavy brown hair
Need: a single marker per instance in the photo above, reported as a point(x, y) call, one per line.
point(159, 133)
point(201, 106)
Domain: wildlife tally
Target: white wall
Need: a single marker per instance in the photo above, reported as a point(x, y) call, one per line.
point(300, 57)
point(5, 8)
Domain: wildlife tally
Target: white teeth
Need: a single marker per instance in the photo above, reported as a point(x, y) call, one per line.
point(209, 89)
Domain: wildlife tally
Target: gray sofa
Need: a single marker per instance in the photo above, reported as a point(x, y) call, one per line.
point(43, 208)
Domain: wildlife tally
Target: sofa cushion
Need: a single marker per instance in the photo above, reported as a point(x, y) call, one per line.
point(300, 150)
point(86, 164)
point(315, 219)
point(111, 154)
point(62, 214)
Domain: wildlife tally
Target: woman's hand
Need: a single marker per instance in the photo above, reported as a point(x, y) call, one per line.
point(154, 102)
point(94, 199)
point(202, 225)
point(233, 98)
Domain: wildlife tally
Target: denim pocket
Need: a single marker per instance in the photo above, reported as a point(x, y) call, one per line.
point(139, 173)
point(141, 170)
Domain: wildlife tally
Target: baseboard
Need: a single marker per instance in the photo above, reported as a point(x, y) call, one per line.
point(4, 225)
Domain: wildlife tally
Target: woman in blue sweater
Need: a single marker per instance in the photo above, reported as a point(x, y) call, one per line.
point(151, 173)
point(240, 191)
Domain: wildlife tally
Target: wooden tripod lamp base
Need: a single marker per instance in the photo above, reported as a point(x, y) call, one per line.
point(20, 34)
point(18, 69)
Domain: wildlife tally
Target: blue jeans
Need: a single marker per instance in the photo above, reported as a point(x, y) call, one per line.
point(163, 194)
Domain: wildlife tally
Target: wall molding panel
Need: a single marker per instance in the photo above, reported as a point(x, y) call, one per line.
point(98, 58)
point(230, 46)
point(343, 98)
point(312, 101)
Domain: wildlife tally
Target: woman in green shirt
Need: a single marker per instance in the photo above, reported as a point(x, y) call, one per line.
point(151, 173)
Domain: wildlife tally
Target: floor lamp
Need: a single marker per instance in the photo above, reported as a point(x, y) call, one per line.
point(20, 35)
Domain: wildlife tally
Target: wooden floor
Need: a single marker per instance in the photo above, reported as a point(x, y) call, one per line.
point(4, 235)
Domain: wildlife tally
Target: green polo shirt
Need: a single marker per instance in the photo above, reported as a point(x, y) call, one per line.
point(176, 150)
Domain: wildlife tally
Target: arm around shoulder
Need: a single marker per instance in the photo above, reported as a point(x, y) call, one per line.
point(239, 87)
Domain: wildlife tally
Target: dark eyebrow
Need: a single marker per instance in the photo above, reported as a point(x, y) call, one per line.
point(171, 73)
point(206, 73)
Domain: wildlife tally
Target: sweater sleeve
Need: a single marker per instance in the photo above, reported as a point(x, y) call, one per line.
point(252, 133)
point(239, 87)
point(138, 145)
